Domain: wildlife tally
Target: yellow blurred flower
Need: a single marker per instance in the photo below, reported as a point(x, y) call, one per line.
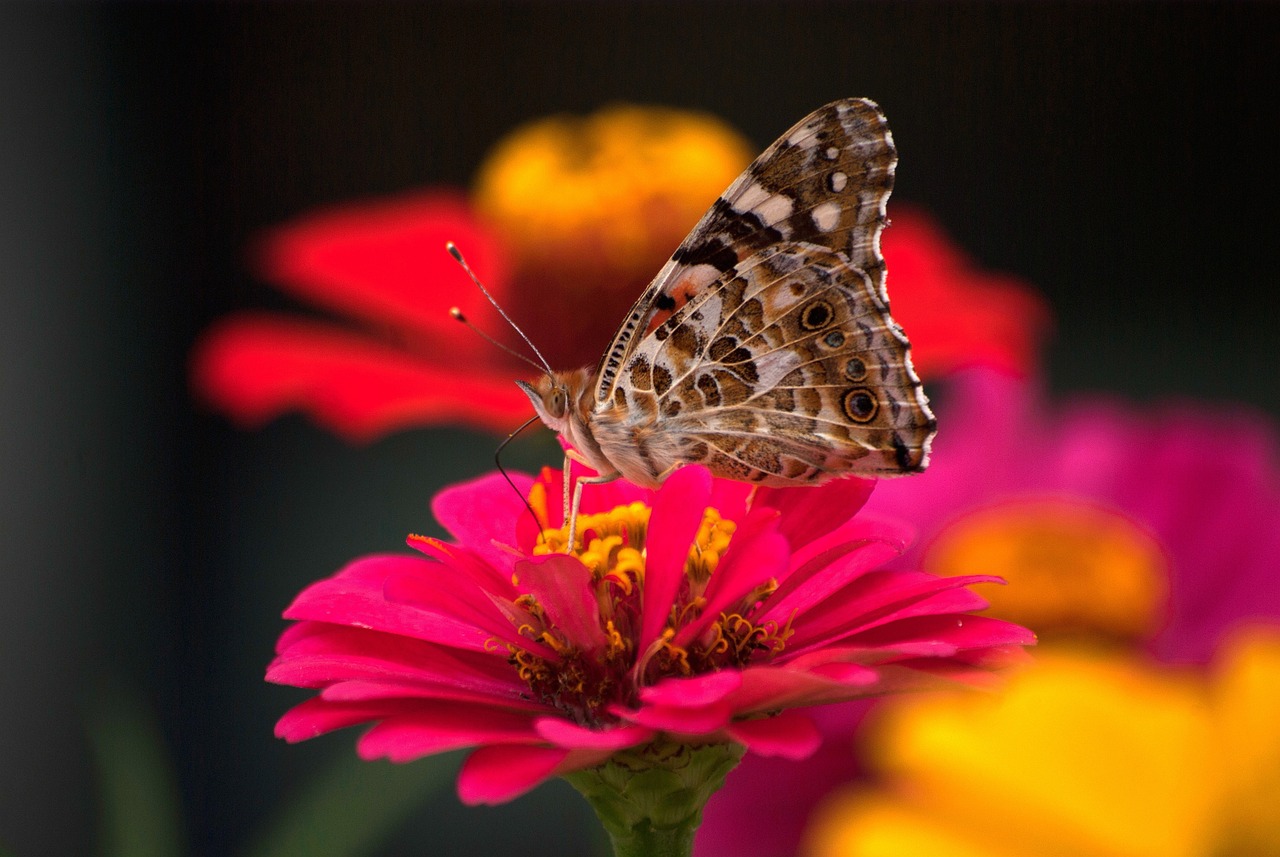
point(1085, 755)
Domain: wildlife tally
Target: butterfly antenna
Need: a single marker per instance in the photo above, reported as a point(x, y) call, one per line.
point(457, 257)
point(497, 460)
point(457, 314)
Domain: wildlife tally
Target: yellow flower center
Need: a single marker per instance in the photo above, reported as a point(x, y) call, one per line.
point(588, 208)
point(616, 189)
point(1072, 569)
point(612, 545)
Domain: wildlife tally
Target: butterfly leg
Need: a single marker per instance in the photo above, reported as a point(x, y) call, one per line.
point(577, 501)
point(571, 506)
point(570, 456)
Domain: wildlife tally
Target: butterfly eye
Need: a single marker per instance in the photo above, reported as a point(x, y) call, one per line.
point(557, 403)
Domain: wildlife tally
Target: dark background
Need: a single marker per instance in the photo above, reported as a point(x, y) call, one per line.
point(1122, 157)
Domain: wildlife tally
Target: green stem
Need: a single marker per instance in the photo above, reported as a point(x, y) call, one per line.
point(652, 842)
point(650, 798)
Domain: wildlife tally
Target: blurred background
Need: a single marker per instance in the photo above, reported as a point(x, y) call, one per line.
point(1120, 157)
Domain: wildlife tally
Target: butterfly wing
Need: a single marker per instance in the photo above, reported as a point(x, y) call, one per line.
point(787, 370)
point(825, 182)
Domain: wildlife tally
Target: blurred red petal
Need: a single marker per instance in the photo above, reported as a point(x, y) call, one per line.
point(257, 367)
point(956, 314)
point(386, 261)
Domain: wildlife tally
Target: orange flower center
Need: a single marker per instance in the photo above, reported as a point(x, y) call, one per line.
point(1072, 569)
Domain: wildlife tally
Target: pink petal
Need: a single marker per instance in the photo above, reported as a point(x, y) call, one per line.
point(944, 634)
point(757, 562)
point(881, 597)
point(810, 513)
point(770, 688)
point(493, 775)
point(317, 716)
point(457, 600)
point(314, 654)
point(565, 734)
point(677, 514)
point(434, 727)
point(457, 558)
point(681, 720)
point(790, 735)
point(863, 528)
point(407, 690)
point(693, 691)
point(815, 582)
point(563, 586)
point(730, 498)
point(355, 596)
point(484, 511)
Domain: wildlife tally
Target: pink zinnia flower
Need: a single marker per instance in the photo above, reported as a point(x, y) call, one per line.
point(704, 613)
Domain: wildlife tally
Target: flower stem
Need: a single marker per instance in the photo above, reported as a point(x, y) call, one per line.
point(650, 798)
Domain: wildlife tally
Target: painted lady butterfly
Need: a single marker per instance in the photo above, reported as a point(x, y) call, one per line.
point(764, 348)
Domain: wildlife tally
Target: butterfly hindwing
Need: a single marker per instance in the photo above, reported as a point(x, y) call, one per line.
point(786, 369)
point(825, 182)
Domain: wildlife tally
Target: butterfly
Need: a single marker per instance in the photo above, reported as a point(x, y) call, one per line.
point(764, 348)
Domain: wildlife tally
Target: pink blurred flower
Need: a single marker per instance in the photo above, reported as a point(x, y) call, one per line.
point(1156, 529)
point(1200, 481)
point(700, 613)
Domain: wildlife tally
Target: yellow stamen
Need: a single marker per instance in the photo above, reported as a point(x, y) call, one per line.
point(611, 545)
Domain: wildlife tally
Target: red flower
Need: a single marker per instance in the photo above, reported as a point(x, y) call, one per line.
point(701, 613)
point(400, 361)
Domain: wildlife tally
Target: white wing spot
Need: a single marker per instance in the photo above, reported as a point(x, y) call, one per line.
point(751, 196)
point(832, 153)
point(774, 209)
point(803, 137)
point(838, 181)
point(826, 216)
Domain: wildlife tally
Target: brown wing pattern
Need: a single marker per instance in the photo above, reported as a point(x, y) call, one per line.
point(824, 182)
point(787, 370)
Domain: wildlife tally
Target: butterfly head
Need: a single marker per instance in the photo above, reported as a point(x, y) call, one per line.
point(555, 397)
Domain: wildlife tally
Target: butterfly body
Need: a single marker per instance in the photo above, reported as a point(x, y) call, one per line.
point(764, 349)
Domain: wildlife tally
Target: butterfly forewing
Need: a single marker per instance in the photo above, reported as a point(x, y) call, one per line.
point(825, 181)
